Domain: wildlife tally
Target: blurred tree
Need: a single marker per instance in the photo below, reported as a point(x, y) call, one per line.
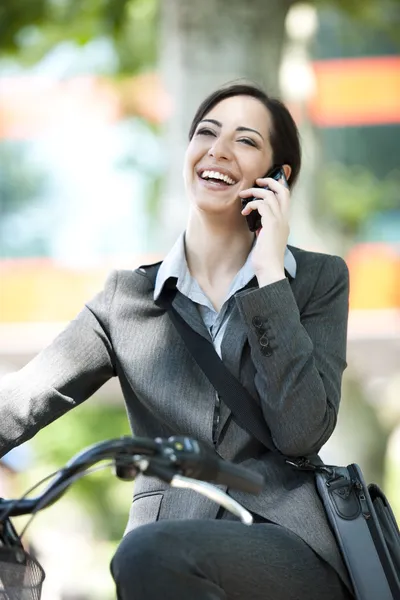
point(29, 30)
point(350, 195)
point(359, 435)
point(106, 499)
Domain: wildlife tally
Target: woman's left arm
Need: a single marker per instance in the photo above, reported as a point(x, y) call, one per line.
point(299, 357)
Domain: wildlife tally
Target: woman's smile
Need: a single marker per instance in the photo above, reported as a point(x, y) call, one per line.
point(216, 179)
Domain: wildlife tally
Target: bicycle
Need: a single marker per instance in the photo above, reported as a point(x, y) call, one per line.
point(180, 461)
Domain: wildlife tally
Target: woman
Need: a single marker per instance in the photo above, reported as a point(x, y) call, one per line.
point(276, 315)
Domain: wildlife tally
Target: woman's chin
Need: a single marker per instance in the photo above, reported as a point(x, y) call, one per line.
point(225, 214)
point(216, 204)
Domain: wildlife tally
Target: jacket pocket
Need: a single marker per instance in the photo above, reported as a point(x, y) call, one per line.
point(144, 509)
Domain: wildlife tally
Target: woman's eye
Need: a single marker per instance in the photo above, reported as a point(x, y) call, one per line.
point(205, 131)
point(248, 141)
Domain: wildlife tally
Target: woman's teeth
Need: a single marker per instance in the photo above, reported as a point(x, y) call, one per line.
point(216, 175)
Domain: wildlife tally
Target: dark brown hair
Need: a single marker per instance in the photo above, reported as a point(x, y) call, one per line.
point(284, 137)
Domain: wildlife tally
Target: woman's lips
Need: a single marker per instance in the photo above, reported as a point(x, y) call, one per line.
point(215, 185)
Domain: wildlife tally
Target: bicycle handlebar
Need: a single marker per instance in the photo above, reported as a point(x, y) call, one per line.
point(163, 458)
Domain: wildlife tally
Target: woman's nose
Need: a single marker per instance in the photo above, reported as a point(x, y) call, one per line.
point(220, 149)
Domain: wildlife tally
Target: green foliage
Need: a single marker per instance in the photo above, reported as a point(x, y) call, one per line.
point(392, 476)
point(78, 19)
point(378, 18)
point(378, 11)
point(29, 30)
point(136, 42)
point(105, 498)
point(350, 195)
point(15, 15)
point(362, 436)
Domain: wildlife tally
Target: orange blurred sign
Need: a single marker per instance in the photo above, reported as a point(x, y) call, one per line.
point(31, 106)
point(39, 291)
point(374, 277)
point(356, 91)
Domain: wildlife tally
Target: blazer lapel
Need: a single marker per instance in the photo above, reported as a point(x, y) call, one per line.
point(185, 307)
point(190, 313)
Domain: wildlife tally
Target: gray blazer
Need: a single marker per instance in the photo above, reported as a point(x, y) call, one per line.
point(122, 333)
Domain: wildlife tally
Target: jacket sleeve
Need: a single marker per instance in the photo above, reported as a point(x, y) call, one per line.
point(299, 357)
point(76, 364)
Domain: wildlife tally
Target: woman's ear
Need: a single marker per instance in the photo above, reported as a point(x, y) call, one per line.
point(287, 169)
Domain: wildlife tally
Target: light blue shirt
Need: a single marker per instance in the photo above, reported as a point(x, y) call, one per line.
point(175, 265)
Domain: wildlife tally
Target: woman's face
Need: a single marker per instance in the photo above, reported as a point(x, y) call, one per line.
point(229, 150)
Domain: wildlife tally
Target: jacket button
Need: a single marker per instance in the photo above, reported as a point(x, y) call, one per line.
point(257, 322)
point(264, 341)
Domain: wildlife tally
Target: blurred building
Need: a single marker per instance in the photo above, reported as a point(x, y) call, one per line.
point(356, 112)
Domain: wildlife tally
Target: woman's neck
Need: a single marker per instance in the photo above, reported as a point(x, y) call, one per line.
point(214, 250)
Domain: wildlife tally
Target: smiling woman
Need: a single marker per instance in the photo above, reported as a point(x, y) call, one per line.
point(275, 314)
point(232, 141)
point(236, 136)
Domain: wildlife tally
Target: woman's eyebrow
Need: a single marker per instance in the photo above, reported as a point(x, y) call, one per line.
point(213, 121)
point(218, 124)
point(249, 129)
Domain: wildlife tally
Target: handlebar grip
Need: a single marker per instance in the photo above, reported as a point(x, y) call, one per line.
point(194, 460)
point(239, 478)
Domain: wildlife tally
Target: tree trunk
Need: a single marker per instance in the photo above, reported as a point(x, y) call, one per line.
point(205, 44)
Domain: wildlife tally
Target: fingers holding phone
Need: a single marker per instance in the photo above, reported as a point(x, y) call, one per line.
point(270, 191)
point(266, 208)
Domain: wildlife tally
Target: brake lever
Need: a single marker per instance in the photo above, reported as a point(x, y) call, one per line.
point(215, 494)
point(171, 456)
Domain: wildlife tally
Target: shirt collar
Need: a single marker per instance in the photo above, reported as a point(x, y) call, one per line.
point(175, 265)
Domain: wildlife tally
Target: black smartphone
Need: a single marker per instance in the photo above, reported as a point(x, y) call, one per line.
point(254, 218)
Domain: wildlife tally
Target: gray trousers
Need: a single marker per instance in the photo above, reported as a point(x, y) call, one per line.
point(221, 560)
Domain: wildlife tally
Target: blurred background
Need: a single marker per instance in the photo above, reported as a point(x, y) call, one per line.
point(96, 97)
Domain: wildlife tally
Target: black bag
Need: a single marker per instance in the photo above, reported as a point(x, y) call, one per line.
point(364, 526)
point(359, 515)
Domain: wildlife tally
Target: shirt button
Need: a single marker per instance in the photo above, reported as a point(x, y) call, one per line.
point(264, 341)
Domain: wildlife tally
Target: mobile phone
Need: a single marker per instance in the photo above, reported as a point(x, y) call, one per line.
point(254, 218)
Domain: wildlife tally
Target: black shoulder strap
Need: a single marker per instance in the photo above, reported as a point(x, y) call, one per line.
point(246, 411)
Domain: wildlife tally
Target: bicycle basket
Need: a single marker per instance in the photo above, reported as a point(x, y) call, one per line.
point(21, 576)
